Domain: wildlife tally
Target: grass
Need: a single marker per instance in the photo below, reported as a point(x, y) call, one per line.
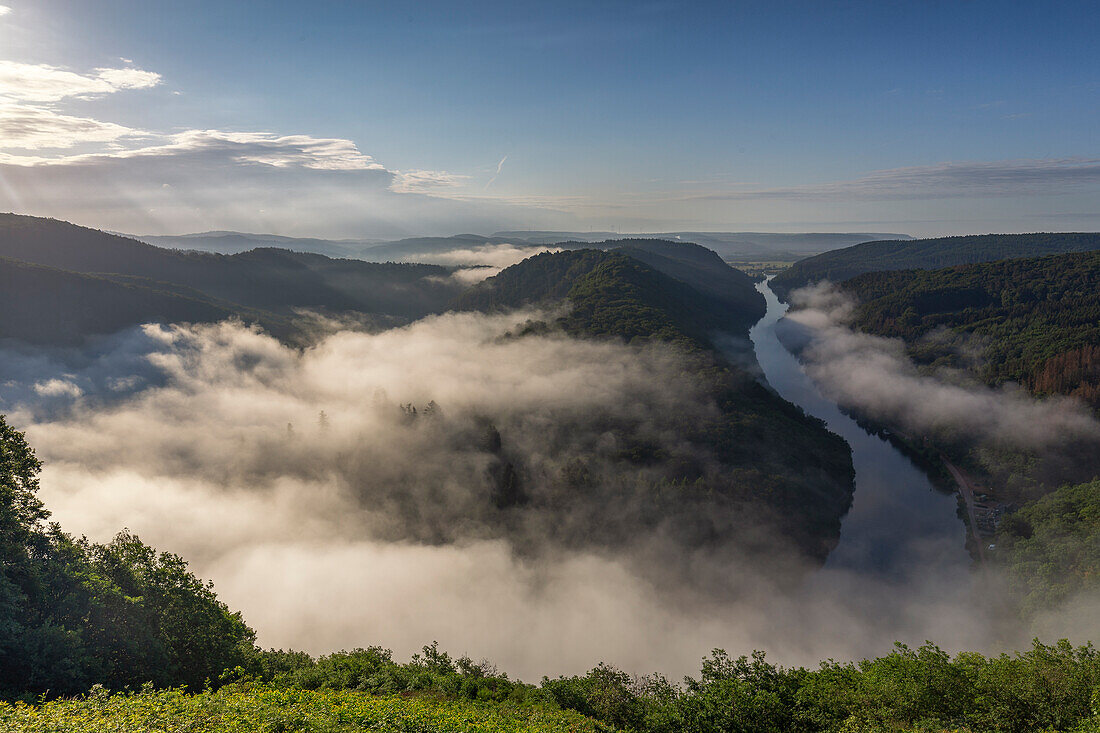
point(251, 708)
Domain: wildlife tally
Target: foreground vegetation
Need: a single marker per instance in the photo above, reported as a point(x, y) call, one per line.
point(1046, 688)
point(75, 613)
point(256, 708)
point(1049, 688)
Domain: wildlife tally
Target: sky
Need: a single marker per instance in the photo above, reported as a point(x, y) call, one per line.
point(378, 120)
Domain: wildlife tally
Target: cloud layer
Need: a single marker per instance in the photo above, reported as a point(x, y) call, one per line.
point(971, 179)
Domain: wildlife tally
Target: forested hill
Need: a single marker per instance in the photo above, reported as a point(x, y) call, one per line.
point(1038, 319)
point(766, 458)
point(699, 290)
point(703, 270)
point(261, 285)
point(841, 264)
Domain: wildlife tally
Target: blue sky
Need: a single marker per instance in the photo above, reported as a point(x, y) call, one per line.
point(917, 117)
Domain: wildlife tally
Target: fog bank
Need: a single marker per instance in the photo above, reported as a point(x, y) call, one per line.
point(875, 376)
point(352, 494)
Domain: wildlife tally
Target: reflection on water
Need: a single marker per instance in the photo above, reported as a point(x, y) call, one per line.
point(899, 525)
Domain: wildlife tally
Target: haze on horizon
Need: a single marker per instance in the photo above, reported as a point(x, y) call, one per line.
point(370, 120)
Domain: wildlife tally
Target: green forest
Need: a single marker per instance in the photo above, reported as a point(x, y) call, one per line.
point(1051, 546)
point(1036, 321)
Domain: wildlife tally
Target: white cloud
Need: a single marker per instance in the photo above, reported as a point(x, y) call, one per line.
point(34, 127)
point(207, 179)
point(287, 151)
point(262, 148)
point(43, 83)
point(4, 10)
point(421, 181)
point(129, 78)
point(500, 167)
point(57, 388)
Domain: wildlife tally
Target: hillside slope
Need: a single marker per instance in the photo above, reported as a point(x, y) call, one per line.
point(842, 264)
point(114, 282)
point(44, 305)
point(1034, 321)
point(1037, 319)
point(267, 278)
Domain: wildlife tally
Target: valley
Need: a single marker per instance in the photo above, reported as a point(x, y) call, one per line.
point(526, 367)
point(700, 451)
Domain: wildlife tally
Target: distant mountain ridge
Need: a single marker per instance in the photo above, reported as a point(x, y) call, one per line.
point(267, 286)
point(842, 264)
point(729, 245)
point(237, 242)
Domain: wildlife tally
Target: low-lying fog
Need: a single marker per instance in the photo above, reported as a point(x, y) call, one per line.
point(332, 517)
point(479, 262)
point(874, 374)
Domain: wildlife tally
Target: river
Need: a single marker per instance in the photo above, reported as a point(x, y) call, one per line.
point(899, 526)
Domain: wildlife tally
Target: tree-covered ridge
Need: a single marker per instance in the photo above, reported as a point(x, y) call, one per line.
point(1037, 320)
point(755, 456)
point(617, 293)
point(544, 278)
point(267, 286)
point(705, 272)
point(842, 264)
